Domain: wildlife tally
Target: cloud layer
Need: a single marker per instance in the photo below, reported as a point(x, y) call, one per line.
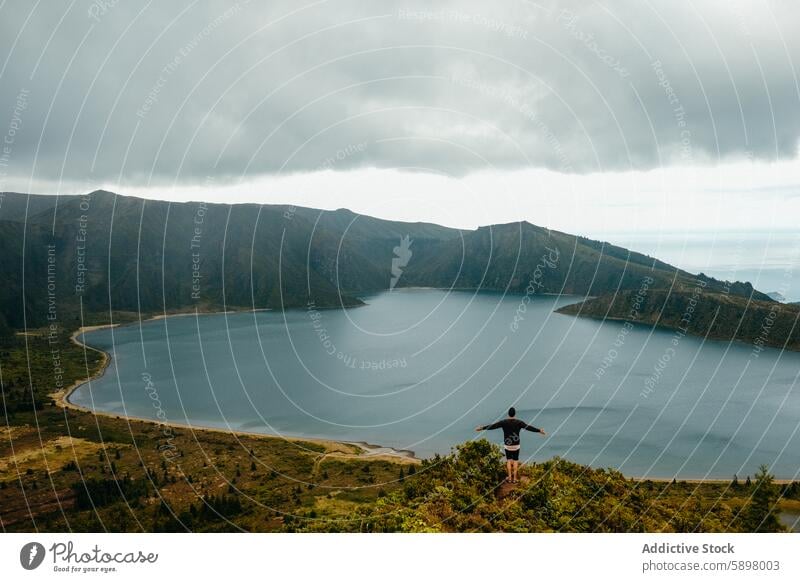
point(178, 92)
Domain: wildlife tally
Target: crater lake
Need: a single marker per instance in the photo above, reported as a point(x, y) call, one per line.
point(419, 369)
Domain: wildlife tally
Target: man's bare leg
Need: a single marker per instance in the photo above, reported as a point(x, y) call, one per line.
point(516, 471)
point(509, 464)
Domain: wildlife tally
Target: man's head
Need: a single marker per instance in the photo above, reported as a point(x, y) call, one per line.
point(512, 412)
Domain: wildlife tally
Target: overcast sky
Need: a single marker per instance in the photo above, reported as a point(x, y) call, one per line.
point(582, 116)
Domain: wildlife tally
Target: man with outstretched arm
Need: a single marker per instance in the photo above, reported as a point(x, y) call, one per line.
point(511, 427)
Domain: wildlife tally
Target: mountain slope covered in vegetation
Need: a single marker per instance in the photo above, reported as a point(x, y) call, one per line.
point(714, 315)
point(103, 253)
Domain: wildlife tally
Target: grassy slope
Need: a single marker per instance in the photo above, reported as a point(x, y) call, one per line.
point(463, 492)
point(716, 315)
point(519, 256)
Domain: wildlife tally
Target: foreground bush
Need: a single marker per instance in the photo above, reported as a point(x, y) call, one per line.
point(464, 492)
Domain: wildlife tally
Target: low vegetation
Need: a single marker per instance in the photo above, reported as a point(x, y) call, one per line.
point(464, 492)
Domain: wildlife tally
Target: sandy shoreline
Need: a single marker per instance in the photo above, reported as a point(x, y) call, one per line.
point(61, 399)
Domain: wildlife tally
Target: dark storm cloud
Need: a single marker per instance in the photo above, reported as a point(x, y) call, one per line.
point(169, 91)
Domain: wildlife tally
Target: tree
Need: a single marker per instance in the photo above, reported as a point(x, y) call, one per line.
point(761, 514)
point(6, 331)
point(735, 482)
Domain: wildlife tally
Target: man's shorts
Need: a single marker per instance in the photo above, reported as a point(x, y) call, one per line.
point(512, 455)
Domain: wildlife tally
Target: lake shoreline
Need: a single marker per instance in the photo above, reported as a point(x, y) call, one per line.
point(61, 398)
point(700, 481)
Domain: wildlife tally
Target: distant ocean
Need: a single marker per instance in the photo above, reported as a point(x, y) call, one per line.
point(768, 260)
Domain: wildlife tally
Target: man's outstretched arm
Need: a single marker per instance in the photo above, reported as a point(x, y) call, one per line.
point(534, 429)
point(492, 426)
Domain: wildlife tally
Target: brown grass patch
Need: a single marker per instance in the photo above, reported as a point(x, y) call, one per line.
point(52, 456)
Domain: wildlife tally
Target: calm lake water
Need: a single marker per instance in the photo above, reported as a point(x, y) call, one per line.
point(419, 369)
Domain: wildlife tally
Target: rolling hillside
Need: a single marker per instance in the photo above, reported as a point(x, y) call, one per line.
point(103, 252)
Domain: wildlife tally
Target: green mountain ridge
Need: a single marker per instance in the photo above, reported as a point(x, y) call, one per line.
point(103, 253)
